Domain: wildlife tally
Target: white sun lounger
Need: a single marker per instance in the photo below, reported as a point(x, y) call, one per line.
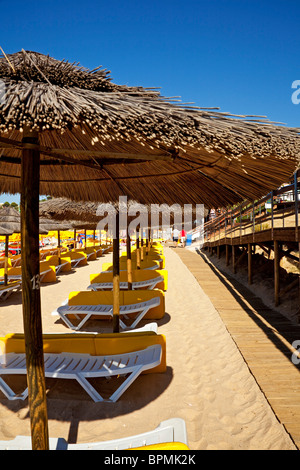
point(149, 268)
point(16, 262)
point(59, 267)
point(75, 262)
point(6, 291)
point(88, 255)
point(18, 277)
point(83, 366)
point(149, 284)
point(171, 430)
point(88, 311)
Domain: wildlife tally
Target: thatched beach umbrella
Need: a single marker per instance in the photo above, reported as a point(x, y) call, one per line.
point(10, 219)
point(67, 131)
point(130, 140)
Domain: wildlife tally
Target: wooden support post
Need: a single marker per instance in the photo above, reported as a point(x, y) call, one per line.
point(58, 245)
point(129, 263)
point(249, 263)
point(116, 277)
point(227, 255)
point(148, 242)
point(299, 279)
point(32, 319)
point(6, 260)
point(75, 242)
point(272, 214)
point(233, 258)
point(276, 272)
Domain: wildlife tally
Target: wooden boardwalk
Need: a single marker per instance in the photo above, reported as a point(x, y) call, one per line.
point(263, 336)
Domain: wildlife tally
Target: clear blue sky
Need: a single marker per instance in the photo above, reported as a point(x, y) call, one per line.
point(239, 55)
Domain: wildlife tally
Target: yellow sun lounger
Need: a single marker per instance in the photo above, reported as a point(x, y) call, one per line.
point(61, 265)
point(145, 264)
point(170, 434)
point(76, 258)
point(151, 256)
point(47, 273)
point(6, 291)
point(84, 356)
point(89, 251)
point(142, 279)
point(134, 306)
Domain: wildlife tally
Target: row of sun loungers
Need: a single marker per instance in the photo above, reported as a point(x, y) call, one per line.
point(51, 265)
point(81, 355)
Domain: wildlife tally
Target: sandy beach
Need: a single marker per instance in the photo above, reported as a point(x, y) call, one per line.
point(207, 382)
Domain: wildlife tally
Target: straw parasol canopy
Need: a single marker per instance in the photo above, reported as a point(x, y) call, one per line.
point(5, 232)
point(85, 214)
point(133, 141)
point(53, 225)
point(10, 220)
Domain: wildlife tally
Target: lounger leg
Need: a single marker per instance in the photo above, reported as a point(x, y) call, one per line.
point(116, 395)
point(65, 319)
point(139, 317)
point(83, 321)
point(88, 388)
point(10, 394)
point(131, 378)
point(136, 321)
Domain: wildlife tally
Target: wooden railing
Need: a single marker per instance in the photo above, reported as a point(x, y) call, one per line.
point(270, 212)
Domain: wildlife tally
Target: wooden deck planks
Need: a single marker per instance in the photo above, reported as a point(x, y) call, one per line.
point(263, 336)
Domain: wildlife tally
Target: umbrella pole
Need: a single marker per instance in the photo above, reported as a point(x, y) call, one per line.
point(58, 245)
point(142, 245)
point(148, 242)
point(129, 264)
point(6, 260)
point(31, 301)
point(138, 254)
point(75, 242)
point(116, 277)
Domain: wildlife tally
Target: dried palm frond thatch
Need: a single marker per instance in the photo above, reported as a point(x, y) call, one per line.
point(86, 215)
point(132, 140)
point(10, 220)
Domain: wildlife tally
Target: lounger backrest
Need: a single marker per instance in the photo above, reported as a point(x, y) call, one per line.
point(137, 275)
point(126, 298)
point(123, 264)
point(93, 344)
